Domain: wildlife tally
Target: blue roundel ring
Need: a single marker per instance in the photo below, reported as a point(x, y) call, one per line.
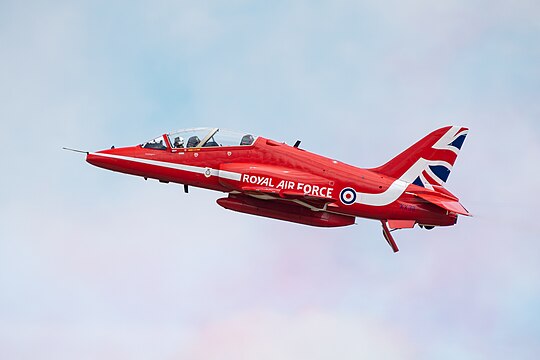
point(347, 196)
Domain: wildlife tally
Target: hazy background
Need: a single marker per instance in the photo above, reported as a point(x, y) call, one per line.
point(94, 264)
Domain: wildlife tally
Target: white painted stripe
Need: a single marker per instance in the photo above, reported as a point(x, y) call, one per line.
point(389, 196)
point(398, 187)
point(426, 183)
point(442, 143)
point(412, 173)
point(229, 175)
point(189, 168)
point(452, 134)
point(395, 190)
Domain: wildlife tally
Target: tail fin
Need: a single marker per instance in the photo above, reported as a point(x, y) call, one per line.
point(428, 162)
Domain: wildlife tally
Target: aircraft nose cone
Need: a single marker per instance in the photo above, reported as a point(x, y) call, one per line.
point(93, 159)
point(100, 159)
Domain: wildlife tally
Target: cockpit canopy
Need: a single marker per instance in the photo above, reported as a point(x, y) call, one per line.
point(200, 137)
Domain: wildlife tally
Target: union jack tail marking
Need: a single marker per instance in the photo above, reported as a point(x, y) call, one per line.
point(428, 162)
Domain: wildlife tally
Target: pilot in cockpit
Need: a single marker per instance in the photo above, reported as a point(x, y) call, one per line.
point(247, 139)
point(178, 142)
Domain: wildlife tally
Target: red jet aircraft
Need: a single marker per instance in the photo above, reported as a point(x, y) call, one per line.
point(268, 178)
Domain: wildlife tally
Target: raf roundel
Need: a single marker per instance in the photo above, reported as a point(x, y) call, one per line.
point(347, 196)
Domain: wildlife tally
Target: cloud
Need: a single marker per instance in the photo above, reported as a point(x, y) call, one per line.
point(312, 334)
point(84, 252)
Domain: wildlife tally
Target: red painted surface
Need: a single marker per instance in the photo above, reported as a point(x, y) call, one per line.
point(284, 211)
point(272, 179)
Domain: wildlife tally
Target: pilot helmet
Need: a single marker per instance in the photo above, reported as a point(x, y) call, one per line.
point(179, 140)
point(247, 139)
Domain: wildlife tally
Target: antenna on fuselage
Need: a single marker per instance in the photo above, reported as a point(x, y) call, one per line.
point(297, 143)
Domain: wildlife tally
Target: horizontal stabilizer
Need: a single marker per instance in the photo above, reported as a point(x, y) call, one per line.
point(444, 202)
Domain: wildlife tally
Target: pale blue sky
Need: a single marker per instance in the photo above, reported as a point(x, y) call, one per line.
point(87, 272)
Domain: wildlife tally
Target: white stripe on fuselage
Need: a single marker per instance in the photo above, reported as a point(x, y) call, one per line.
point(189, 168)
point(391, 194)
point(399, 186)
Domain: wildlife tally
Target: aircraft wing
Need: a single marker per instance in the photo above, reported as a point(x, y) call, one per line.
point(280, 193)
point(268, 182)
point(284, 194)
point(260, 190)
point(269, 193)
